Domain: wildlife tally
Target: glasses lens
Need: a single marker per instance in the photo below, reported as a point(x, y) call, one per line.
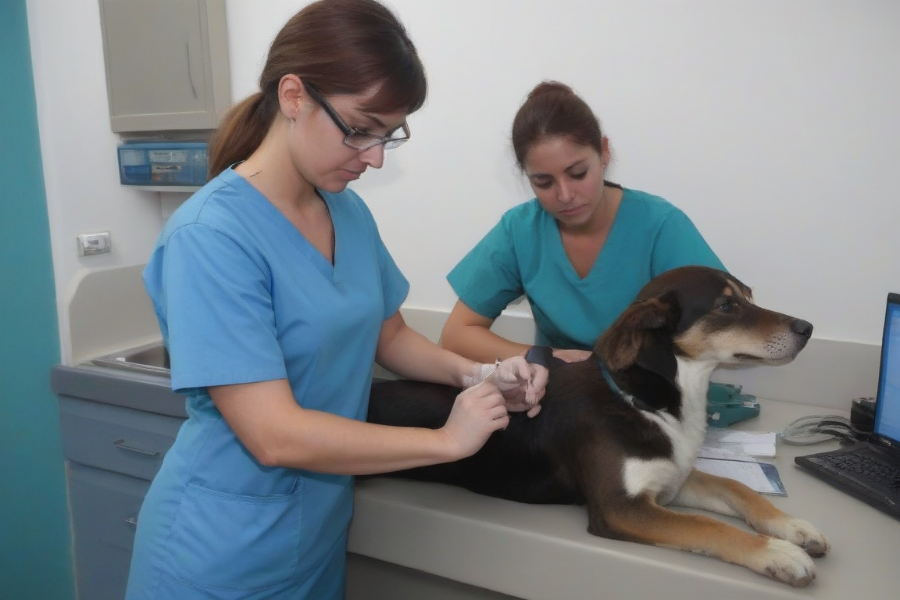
point(364, 141)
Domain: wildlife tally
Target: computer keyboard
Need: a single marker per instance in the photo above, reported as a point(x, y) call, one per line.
point(865, 466)
point(860, 472)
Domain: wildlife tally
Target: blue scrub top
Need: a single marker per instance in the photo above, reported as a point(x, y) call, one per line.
point(241, 296)
point(523, 254)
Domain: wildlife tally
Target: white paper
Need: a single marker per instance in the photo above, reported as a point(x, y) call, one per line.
point(723, 454)
point(748, 473)
point(753, 443)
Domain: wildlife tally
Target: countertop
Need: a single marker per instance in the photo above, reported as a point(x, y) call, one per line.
point(544, 552)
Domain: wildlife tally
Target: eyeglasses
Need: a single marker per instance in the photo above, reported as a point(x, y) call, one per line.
point(359, 140)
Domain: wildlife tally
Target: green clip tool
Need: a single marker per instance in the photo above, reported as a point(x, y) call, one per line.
point(726, 405)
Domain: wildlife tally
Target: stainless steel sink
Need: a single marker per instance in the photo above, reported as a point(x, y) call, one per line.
point(150, 358)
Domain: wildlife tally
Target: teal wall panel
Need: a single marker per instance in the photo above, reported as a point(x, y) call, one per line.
point(35, 543)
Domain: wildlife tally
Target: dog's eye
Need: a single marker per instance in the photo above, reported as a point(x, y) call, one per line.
point(726, 307)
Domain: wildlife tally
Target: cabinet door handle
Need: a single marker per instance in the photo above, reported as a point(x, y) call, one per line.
point(187, 49)
point(131, 521)
point(122, 445)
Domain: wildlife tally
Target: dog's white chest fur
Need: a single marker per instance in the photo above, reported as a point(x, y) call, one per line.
point(661, 478)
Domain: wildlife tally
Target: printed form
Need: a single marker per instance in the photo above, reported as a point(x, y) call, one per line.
point(732, 454)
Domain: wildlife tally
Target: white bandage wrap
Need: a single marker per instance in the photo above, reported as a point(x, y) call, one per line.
point(480, 372)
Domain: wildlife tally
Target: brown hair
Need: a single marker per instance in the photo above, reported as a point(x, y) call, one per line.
point(338, 46)
point(553, 109)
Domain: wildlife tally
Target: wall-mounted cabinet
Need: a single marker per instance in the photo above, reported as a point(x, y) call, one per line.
point(166, 64)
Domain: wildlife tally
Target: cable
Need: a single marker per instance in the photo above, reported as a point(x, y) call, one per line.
point(815, 429)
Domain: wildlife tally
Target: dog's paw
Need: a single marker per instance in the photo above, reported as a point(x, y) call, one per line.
point(802, 533)
point(783, 561)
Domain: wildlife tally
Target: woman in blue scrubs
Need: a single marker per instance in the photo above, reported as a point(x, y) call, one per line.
point(275, 295)
point(580, 251)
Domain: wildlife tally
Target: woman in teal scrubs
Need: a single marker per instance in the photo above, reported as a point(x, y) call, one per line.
point(579, 251)
point(275, 295)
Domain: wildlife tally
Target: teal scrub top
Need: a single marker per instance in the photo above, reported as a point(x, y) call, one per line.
point(523, 254)
point(241, 296)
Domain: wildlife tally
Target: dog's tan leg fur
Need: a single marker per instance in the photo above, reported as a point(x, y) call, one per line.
point(642, 520)
point(729, 497)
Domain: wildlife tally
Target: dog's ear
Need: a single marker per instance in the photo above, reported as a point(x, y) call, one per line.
point(620, 344)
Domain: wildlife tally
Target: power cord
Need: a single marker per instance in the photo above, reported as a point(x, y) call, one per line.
point(815, 429)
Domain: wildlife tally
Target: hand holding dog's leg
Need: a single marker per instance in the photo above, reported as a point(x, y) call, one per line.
point(521, 383)
point(477, 412)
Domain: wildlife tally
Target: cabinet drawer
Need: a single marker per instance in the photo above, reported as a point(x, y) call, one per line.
point(104, 505)
point(118, 439)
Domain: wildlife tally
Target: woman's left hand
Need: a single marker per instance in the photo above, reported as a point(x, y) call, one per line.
point(522, 384)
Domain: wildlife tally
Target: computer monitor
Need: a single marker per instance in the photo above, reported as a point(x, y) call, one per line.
point(887, 407)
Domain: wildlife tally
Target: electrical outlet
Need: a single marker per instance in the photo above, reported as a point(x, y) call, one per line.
point(94, 243)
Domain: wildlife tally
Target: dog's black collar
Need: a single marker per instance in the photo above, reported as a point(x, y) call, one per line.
point(631, 399)
point(540, 355)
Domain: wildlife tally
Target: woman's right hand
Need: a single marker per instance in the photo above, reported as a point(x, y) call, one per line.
point(477, 412)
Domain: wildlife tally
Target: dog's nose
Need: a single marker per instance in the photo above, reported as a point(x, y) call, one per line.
point(801, 327)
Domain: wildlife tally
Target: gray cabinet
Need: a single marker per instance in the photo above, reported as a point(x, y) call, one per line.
point(104, 509)
point(166, 64)
point(115, 428)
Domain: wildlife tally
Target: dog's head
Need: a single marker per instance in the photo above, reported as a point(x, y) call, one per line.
point(700, 314)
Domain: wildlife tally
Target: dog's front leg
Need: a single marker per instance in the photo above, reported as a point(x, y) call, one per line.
point(640, 519)
point(729, 497)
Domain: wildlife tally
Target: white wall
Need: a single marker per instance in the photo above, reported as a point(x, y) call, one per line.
point(79, 150)
point(772, 124)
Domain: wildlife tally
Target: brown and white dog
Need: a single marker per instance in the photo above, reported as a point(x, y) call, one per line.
point(620, 431)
